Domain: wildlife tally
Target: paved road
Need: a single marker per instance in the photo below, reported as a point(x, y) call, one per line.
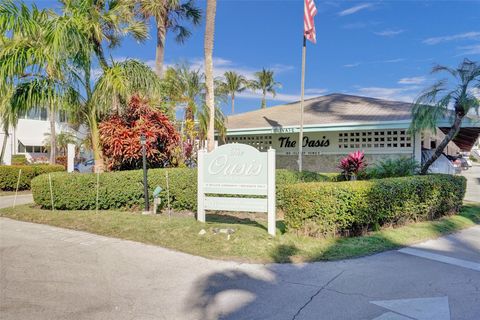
point(7, 201)
point(473, 183)
point(53, 273)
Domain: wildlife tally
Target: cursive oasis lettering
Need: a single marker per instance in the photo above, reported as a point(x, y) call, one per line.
point(222, 166)
point(285, 142)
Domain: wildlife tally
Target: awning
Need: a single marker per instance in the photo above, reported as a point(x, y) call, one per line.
point(31, 142)
point(465, 138)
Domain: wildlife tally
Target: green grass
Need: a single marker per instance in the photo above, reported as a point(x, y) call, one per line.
point(250, 242)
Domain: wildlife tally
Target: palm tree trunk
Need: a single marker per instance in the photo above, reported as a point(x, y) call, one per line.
point(208, 48)
point(4, 145)
point(264, 100)
point(448, 137)
point(53, 135)
point(97, 48)
point(96, 147)
point(160, 50)
point(233, 103)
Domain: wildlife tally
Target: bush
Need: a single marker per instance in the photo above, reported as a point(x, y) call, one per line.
point(389, 168)
point(326, 209)
point(19, 160)
point(9, 175)
point(124, 189)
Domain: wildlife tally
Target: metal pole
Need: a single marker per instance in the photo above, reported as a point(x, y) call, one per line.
point(145, 181)
point(300, 138)
point(16, 190)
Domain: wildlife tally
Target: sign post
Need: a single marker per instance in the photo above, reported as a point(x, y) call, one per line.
point(232, 170)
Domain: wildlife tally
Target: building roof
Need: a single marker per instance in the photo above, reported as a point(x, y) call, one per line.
point(324, 110)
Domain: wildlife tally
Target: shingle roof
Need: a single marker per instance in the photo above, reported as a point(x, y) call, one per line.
point(324, 110)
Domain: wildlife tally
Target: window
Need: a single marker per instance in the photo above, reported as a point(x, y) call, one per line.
point(36, 113)
point(383, 139)
point(30, 149)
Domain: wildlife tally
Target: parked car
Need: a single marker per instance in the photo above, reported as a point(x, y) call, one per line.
point(83, 167)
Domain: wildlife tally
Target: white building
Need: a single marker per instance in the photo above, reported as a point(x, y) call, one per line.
point(29, 136)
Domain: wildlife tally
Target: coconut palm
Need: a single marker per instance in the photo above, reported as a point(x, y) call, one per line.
point(8, 116)
point(63, 140)
point(169, 15)
point(265, 82)
point(203, 117)
point(233, 83)
point(444, 99)
point(209, 81)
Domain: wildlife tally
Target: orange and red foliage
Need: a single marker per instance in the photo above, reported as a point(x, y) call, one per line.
point(120, 137)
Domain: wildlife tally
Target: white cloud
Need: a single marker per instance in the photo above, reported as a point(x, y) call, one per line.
point(389, 33)
point(355, 9)
point(406, 94)
point(351, 65)
point(356, 64)
point(472, 35)
point(474, 49)
point(412, 80)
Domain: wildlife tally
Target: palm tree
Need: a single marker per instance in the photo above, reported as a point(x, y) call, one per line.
point(169, 15)
point(442, 100)
point(265, 82)
point(63, 140)
point(232, 84)
point(8, 116)
point(209, 81)
point(203, 117)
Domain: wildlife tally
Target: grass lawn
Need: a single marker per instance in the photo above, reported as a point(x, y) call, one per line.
point(12, 193)
point(250, 242)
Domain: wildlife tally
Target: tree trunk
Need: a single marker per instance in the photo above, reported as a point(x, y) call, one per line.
point(233, 103)
point(53, 135)
point(208, 48)
point(160, 50)
point(96, 147)
point(4, 145)
point(448, 137)
point(264, 100)
point(97, 48)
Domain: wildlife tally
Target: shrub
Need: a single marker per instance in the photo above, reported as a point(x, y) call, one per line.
point(353, 164)
point(9, 175)
point(124, 189)
point(19, 159)
point(389, 168)
point(325, 209)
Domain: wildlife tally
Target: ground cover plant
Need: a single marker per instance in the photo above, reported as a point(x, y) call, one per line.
point(250, 242)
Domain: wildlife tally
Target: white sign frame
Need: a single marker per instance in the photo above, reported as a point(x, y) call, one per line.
point(251, 172)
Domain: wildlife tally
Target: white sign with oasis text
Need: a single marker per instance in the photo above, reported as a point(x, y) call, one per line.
point(237, 169)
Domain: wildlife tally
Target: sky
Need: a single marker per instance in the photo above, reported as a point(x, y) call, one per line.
point(382, 49)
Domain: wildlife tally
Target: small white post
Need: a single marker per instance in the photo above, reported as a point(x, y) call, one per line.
point(51, 190)
point(200, 194)
point(98, 188)
point(70, 157)
point(16, 190)
point(271, 191)
point(168, 195)
point(417, 147)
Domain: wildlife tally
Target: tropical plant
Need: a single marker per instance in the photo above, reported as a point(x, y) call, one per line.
point(388, 168)
point(265, 82)
point(219, 123)
point(442, 100)
point(63, 140)
point(120, 137)
point(209, 80)
point(233, 83)
point(353, 164)
point(8, 116)
point(169, 16)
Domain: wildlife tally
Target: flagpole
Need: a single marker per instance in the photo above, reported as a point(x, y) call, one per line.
point(300, 139)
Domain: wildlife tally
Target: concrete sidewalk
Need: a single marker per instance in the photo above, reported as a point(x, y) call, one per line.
point(54, 273)
point(7, 201)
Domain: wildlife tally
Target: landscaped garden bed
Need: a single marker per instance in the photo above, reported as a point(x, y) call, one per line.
point(9, 175)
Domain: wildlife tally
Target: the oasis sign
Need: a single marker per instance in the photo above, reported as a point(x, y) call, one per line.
point(237, 169)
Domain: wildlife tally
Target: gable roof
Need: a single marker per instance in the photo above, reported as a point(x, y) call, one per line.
point(324, 110)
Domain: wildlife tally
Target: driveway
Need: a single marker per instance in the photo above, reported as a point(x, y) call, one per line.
point(54, 273)
point(473, 183)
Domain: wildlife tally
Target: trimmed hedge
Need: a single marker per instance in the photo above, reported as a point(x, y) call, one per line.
point(9, 175)
point(347, 208)
point(124, 189)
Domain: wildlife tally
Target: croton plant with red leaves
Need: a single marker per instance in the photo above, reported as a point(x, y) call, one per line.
point(120, 137)
point(353, 164)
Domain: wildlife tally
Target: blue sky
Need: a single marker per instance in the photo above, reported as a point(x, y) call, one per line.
point(382, 49)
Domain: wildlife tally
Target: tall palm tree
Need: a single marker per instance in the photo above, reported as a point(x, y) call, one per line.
point(203, 117)
point(444, 100)
point(8, 116)
point(209, 81)
point(232, 84)
point(169, 16)
point(265, 82)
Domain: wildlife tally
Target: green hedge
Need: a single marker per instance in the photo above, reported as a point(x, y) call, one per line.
point(9, 175)
point(347, 208)
point(124, 189)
